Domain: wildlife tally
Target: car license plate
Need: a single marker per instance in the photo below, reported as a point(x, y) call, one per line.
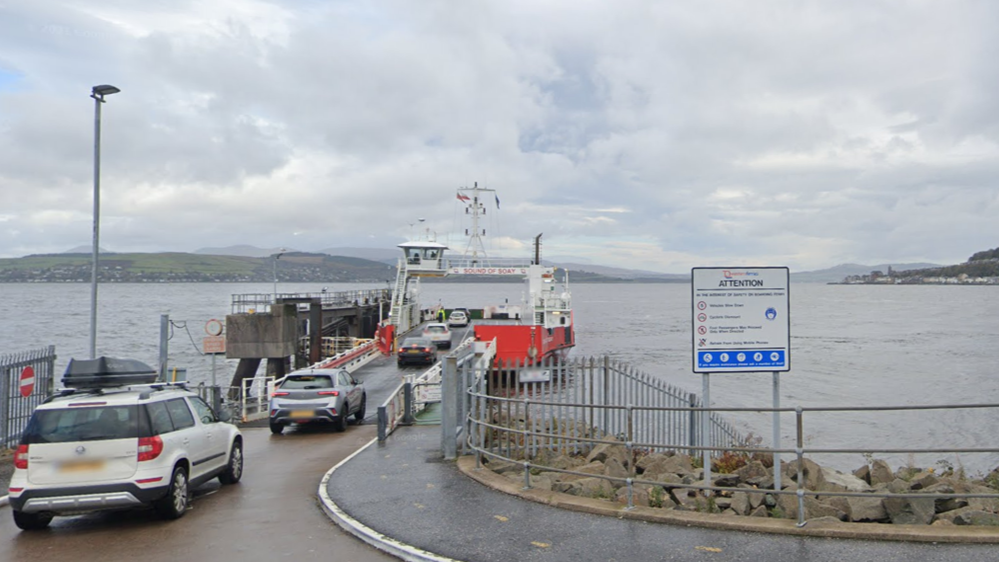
point(412, 351)
point(81, 466)
point(302, 413)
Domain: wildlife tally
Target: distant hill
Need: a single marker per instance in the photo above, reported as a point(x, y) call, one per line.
point(243, 250)
point(840, 272)
point(183, 267)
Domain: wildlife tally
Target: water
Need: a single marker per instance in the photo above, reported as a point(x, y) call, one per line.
point(855, 345)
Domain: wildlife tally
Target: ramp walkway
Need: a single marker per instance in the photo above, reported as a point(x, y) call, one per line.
point(404, 497)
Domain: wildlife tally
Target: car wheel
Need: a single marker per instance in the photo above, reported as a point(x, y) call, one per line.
point(31, 521)
point(359, 414)
point(174, 504)
point(341, 420)
point(277, 428)
point(234, 468)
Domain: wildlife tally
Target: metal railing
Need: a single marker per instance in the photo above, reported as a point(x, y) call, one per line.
point(260, 302)
point(26, 379)
point(516, 428)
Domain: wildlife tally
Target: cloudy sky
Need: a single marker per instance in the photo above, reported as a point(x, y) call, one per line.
point(640, 134)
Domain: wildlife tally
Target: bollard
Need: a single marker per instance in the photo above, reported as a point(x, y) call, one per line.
point(800, 452)
point(527, 475)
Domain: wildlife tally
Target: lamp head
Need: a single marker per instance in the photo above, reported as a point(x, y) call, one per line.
point(103, 90)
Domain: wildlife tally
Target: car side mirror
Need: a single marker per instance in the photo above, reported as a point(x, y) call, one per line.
point(353, 381)
point(223, 415)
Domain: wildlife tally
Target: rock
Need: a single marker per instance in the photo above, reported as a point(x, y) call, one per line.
point(982, 504)
point(755, 499)
point(976, 518)
point(881, 473)
point(565, 462)
point(540, 482)
point(726, 480)
point(910, 511)
point(722, 503)
point(864, 473)
point(502, 467)
point(566, 487)
point(659, 497)
point(684, 500)
point(760, 511)
point(754, 469)
point(813, 508)
point(834, 481)
point(639, 495)
point(765, 482)
point(605, 451)
point(665, 477)
point(866, 510)
point(740, 503)
point(922, 479)
point(595, 467)
point(660, 463)
point(945, 504)
point(595, 488)
point(840, 503)
point(811, 471)
point(769, 501)
point(942, 523)
point(898, 486)
point(615, 469)
point(949, 516)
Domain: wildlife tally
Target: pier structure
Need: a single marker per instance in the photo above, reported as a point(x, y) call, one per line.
point(279, 326)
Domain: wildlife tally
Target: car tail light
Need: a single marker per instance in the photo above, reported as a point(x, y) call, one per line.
point(21, 457)
point(332, 411)
point(150, 448)
point(329, 393)
point(426, 349)
point(282, 393)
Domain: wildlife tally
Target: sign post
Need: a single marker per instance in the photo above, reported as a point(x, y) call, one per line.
point(742, 323)
point(214, 344)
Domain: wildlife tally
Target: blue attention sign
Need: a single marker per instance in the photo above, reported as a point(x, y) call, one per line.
point(761, 359)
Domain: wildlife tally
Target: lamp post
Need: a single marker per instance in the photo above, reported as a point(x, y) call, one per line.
point(98, 93)
point(277, 256)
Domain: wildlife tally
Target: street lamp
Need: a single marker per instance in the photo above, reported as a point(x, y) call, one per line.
point(276, 257)
point(98, 93)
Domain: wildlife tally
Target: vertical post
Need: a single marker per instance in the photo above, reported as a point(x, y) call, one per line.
point(407, 402)
point(382, 423)
point(605, 399)
point(692, 438)
point(164, 338)
point(98, 100)
point(776, 454)
point(800, 452)
point(705, 430)
point(449, 406)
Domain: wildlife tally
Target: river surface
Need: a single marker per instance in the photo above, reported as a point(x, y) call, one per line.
point(851, 345)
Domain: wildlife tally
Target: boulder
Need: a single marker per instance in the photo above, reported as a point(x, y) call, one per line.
point(811, 471)
point(566, 462)
point(881, 473)
point(660, 462)
point(922, 479)
point(834, 481)
point(760, 511)
point(595, 467)
point(866, 510)
point(726, 480)
point(948, 516)
point(864, 473)
point(595, 488)
point(754, 469)
point(566, 487)
point(766, 482)
point(722, 503)
point(665, 478)
point(898, 486)
point(543, 483)
point(973, 517)
point(605, 451)
point(983, 504)
point(910, 511)
point(502, 467)
point(945, 504)
point(615, 469)
point(814, 508)
point(685, 499)
point(740, 503)
point(639, 495)
point(660, 497)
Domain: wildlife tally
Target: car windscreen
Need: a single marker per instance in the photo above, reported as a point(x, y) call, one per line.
point(307, 382)
point(436, 329)
point(85, 424)
point(416, 342)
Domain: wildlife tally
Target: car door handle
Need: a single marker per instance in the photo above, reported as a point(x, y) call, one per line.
point(185, 441)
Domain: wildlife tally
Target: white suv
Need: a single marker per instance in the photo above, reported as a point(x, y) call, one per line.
point(111, 448)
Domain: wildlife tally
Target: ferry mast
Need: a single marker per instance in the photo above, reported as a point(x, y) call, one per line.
point(471, 197)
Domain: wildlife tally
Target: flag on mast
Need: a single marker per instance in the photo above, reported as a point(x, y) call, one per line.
point(497, 200)
point(463, 198)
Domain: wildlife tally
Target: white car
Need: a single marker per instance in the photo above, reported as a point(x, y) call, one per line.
point(113, 447)
point(438, 333)
point(457, 319)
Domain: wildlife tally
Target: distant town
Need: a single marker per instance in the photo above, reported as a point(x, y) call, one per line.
point(927, 277)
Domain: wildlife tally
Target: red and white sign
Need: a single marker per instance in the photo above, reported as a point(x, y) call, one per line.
point(27, 381)
point(213, 327)
point(213, 344)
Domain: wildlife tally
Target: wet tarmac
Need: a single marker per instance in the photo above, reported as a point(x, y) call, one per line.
point(404, 490)
point(271, 515)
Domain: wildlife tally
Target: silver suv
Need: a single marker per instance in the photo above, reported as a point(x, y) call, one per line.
point(100, 448)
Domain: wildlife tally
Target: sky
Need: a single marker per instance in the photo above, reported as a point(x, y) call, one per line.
point(640, 134)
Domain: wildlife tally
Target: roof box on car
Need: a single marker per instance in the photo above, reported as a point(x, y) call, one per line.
point(107, 372)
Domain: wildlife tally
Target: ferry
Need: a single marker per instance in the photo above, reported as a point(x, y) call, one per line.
point(538, 329)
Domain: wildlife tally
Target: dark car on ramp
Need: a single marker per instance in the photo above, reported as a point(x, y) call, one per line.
point(417, 351)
